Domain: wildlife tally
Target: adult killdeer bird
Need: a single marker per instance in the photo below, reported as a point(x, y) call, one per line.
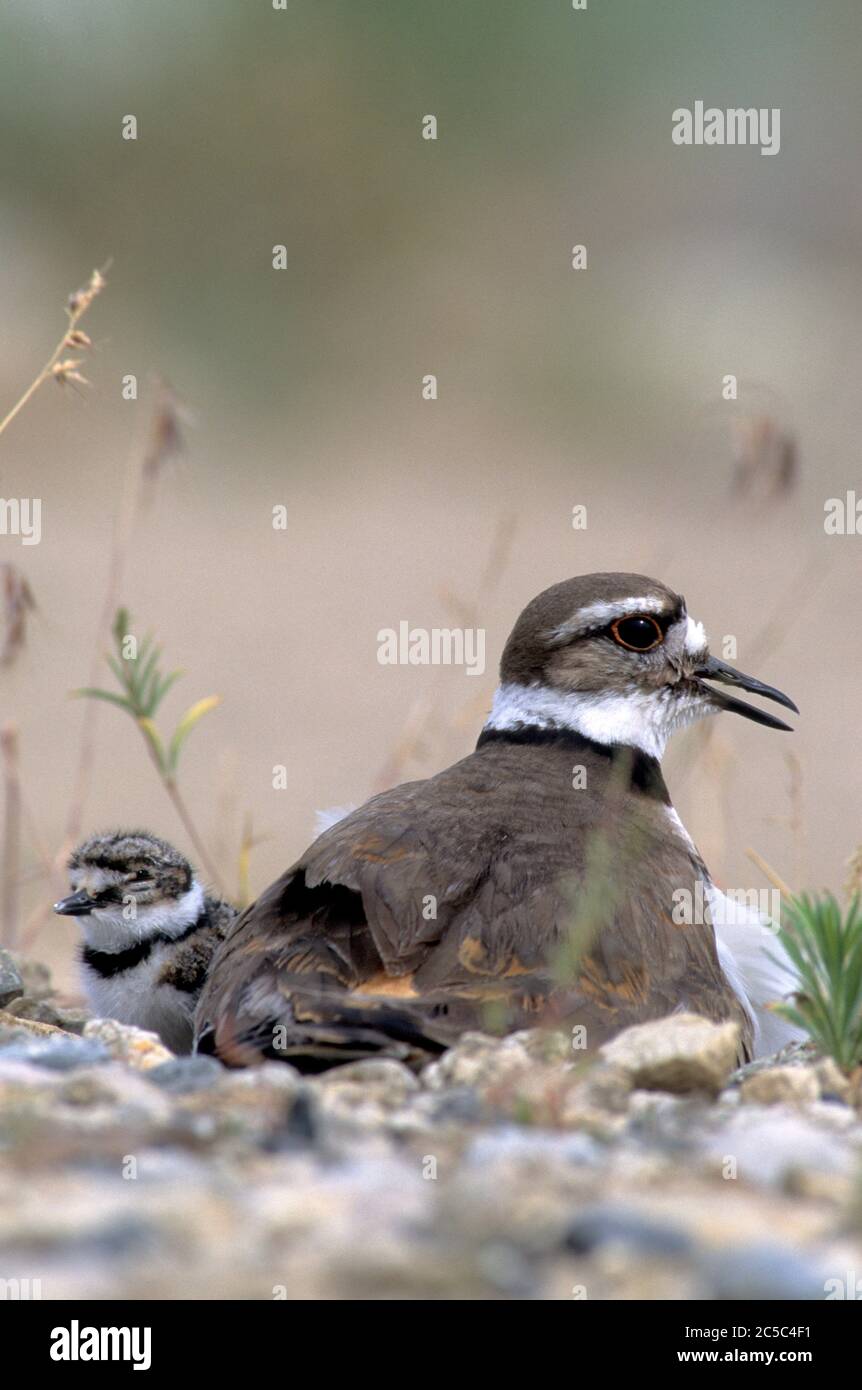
point(149, 932)
point(535, 880)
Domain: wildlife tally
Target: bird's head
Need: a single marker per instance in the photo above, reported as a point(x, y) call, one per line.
point(131, 879)
point(617, 658)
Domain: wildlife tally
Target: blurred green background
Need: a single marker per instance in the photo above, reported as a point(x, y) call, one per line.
point(556, 388)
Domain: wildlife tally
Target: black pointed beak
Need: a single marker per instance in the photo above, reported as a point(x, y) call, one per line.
point(713, 669)
point(76, 905)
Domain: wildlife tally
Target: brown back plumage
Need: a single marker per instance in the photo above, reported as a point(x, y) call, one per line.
point(489, 896)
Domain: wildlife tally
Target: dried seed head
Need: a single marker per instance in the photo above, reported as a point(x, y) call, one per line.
point(78, 339)
point(16, 602)
point(166, 435)
point(64, 373)
point(766, 463)
point(80, 301)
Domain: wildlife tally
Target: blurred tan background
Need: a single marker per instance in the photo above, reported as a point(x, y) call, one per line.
point(556, 388)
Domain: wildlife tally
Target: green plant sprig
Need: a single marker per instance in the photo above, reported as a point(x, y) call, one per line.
point(143, 687)
point(824, 944)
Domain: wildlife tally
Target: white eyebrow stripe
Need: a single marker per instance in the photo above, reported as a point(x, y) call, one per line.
point(601, 612)
point(695, 637)
point(92, 879)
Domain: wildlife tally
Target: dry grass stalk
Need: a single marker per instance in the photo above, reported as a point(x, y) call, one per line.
point(9, 898)
point(64, 370)
point(795, 817)
point(770, 873)
point(248, 842)
point(18, 603)
point(164, 440)
point(51, 870)
point(766, 462)
point(143, 466)
point(853, 885)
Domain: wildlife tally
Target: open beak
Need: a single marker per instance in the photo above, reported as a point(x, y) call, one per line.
point(76, 905)
point(715, 670)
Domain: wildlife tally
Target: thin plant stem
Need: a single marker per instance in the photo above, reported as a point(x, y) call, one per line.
point(79, 305)
point(769, 872)
point(182, 811)
point(9, 908)
point(120, 545)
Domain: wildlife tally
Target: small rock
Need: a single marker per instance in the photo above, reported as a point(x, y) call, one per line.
point(762, 1271)
point(601, 1225)
point(36, 977)
point(510, 1143)
point(598, 1102)
point(64, 1053)
point(462, 1065)
point(771, 1144)
point(543, 1044)
point(380, 1079)
point(459, 1105)
point(22, 1027)
point(799, 1052)
point(680, 1053)
point(303, 1120)
point(71, 1020)
point(478, 1060)
point(506, 1269)
point(37, 1010)
point(185, 1074)
point(11, 983)
point(780, 1085)
point(834, 1085)
point(134, 1046)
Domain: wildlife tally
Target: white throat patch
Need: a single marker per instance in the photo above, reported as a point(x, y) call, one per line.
point(107, 929)
point(639, 719)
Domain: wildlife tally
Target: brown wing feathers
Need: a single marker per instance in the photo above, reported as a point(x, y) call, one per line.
point(426, 912)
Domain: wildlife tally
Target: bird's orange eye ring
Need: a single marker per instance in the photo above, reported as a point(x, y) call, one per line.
point(637, 632)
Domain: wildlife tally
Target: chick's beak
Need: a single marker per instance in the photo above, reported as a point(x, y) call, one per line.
point(76, 905)
point(713, 669)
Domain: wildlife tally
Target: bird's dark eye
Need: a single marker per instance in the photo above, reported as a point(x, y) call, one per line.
point(639, 634)
point(141, 875)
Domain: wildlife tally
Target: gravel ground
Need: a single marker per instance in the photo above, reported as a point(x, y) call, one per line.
point(508, 1169)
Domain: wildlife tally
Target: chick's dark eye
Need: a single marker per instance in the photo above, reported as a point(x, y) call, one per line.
point(639, 634)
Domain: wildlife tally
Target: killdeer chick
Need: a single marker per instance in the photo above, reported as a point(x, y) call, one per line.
point(535, 880)
point(149, 931)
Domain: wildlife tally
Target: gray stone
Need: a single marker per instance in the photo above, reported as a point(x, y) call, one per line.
point(760, 1271)
point(769, 1144)
point(379, 1080)
point(187, 1074)
point(54, 1054)
point(514, 1170)
point(480, 1061)
point(513, 1142)
point(682, 1052)
point(134, 1046)
point(604, 1224)
point(834, 1085)
point(457, 1105)
point(36, 977)
point(11, 983)
point(781, 1086)
point(35, 1011)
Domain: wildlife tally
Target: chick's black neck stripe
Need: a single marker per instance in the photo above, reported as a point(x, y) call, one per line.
point(108, 963)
